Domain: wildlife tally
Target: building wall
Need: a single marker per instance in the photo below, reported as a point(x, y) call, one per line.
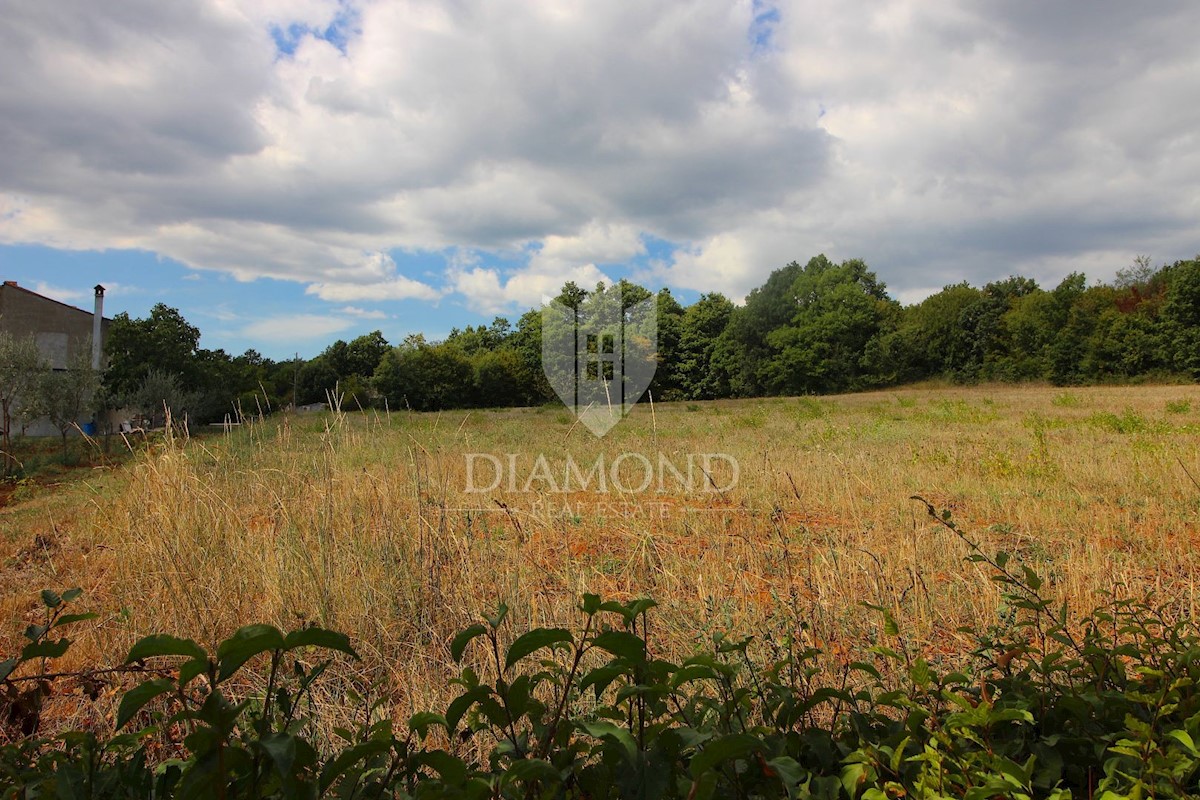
point(56, 327)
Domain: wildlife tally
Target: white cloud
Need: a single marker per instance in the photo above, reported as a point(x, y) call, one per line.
point(295, 328)
point(939, 141)
point(362, 313)
point(487, 291)
point(595, 242)
point(722, 263)
point(488, 125)
point(558, 259)
point(399, 288)
point(222, 313)
point(372, 277)
point(61, 294)
point(82, 296)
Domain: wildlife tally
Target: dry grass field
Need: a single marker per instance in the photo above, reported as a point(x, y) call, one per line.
point(364, 522)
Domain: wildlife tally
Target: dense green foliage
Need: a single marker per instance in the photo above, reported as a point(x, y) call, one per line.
point(157, 362)
point(815, 328)
point(1050, 706)
point(824, 327)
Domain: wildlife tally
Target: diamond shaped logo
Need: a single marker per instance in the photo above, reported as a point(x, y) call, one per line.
point(600, 354)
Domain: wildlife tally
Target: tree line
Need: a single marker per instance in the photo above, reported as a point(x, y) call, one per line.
point(814, 328)
point(817, 328)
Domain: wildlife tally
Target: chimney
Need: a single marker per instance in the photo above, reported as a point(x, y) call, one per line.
point(97, 345)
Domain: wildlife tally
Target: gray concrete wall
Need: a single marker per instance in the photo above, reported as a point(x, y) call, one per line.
point(57, 328)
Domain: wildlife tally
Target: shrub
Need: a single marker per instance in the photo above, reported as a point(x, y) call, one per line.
point(1050, 706)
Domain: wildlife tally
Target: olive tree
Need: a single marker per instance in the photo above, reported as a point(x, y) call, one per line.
point(19, 365)
point(64, 396)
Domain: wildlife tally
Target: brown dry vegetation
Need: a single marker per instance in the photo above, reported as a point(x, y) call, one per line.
point(360, 522)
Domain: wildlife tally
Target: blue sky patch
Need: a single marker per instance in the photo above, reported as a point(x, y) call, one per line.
point(766, 18)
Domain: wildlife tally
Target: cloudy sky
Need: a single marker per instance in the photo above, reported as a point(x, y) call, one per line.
point(287, 172)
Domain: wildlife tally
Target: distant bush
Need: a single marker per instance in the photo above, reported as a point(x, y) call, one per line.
point(1128, 421)
point(1066, 400)
point(1179, 406)
point(1051, 706)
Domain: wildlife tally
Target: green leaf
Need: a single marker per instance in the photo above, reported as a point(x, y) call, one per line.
point(898, 755)
point(640, 606)
point(51, 598)
point(6, 668)
point(528, 770)
point(188, 670)
point(533, 641)
point(726, 748)
point(463, 639)
point(606, 730)
point(335, 768)
point(423, 720)
point(788, 770)
point(711, 662)
point(136, 698)
point(281, 749)
point(889, 622)
point(919, 674)
point(1184, 738)
point(319, 637)
point(67, 619)
point(887, 652)
point(600, 678)
point(450, 769)
point(1010, 715)
point(497, 619)
point(164, 645)
point(1017, 775)
point(244, 644)
point(590, 604)
point(45, 649)
point(692, 672)
point(622, 644)
point(72, 594)
point(853, 776)
point(725, 645)
point(868, 668)
point(461, 704)
point(1032, 579)
point(616, 607)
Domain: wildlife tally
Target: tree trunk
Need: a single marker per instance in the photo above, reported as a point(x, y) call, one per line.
point(6, 421)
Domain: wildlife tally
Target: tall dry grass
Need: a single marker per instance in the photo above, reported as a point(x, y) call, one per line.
point(361, 522)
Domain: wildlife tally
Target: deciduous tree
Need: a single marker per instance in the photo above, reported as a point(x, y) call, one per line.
point(19, 365)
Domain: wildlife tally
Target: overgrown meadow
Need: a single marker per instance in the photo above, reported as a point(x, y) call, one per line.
point(363, 521)
point(367, 523)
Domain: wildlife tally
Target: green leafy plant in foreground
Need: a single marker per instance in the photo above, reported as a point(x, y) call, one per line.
point(1104, 706)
